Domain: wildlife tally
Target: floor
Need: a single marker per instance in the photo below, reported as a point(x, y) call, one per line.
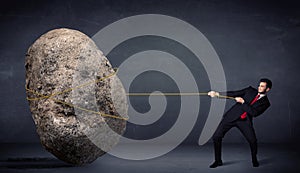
point(273, 158)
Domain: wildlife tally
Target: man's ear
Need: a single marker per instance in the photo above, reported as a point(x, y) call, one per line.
point(268, 89)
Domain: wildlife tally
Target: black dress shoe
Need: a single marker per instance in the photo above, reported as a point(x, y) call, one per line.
point(216, 164)
point(255, 163)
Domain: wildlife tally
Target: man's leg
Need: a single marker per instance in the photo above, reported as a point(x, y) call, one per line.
point(217, 138)
point(246, 127)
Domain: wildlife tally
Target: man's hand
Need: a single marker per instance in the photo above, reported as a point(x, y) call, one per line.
point(239, 100)
point(213, 94)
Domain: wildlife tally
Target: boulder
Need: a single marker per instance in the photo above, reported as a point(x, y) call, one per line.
point(77, 102)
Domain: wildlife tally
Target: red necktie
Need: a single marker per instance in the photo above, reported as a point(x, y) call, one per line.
point(244, 115)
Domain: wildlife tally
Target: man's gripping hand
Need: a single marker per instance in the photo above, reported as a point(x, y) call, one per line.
point(239, 100)
point(213, 94)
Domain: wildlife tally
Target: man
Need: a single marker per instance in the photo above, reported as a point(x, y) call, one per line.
point(250, 103)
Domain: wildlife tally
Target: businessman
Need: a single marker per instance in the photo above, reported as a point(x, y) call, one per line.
point(250, 102)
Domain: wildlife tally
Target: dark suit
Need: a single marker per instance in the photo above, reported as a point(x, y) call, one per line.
point(232, 119)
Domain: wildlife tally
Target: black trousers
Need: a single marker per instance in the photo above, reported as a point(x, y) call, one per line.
point(245, 127)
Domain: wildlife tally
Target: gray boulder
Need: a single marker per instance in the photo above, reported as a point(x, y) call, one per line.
point(77, 102)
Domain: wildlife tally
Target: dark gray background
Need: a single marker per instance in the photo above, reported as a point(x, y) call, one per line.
point(253, 39)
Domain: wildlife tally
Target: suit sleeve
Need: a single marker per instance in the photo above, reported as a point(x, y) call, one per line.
point(255, 111)
point(238, 93)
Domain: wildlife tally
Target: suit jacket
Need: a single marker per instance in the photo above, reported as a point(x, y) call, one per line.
point(248, 94)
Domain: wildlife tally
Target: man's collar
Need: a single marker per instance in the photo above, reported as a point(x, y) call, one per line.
point(261, 95)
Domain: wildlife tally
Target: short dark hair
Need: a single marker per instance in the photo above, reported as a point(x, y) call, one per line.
point(268, 82)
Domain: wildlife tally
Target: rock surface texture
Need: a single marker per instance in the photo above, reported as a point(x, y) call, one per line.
point(77, 103)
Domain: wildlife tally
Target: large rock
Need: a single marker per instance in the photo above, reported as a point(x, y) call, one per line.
point(77, 103)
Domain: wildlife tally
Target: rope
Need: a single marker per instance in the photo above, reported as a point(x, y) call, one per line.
point(70, 89)
point(176, 94)
point(41, 96)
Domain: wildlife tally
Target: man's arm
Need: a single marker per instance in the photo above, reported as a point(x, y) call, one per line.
point(255, 111)
point(238, 93)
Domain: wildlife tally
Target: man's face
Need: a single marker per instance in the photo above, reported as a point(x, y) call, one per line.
point(262, 88)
